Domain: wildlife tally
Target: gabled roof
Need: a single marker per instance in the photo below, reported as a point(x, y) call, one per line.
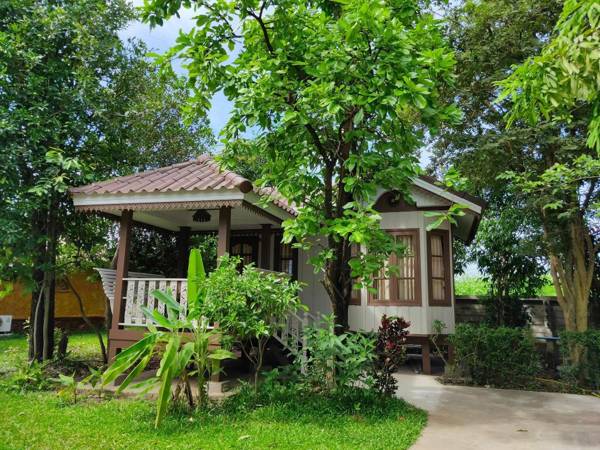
point(196, 175)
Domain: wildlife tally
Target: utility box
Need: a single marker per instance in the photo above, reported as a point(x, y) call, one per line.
point(5, 324)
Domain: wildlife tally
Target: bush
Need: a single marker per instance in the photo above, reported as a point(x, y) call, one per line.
point(391, 352)
point(586, 371)
point(495, 356)
point(333, 362)
point(249, 306)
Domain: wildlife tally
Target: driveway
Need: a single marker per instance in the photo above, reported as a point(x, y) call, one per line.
point(479, 418)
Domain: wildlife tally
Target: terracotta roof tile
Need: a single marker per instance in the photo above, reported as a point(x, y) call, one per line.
point(199, 174)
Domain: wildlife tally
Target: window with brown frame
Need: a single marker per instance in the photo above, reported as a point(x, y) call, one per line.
point(438, 264)
point(286, 258)
point(402, 287)
point(356, 293)
point(246, 247)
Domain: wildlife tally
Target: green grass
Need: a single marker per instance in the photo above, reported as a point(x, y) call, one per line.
point(476, 286)
point(43, 420)
point(13, 349)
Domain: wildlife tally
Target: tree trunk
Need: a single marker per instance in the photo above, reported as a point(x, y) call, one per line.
point(44, 234)
point(87, 320)
point(572, 264)
point(338, 284)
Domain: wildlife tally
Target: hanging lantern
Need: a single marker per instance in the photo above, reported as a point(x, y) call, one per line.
point(201, 215)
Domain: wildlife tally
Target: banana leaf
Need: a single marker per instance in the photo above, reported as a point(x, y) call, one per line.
point(195, 280)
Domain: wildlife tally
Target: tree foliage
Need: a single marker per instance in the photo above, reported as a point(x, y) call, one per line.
point(73, 109)
point(564, 76)
point(544, 170)
point(333, 98)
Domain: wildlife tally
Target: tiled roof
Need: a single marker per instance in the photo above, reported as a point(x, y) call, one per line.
point(197, 175)
point(201, 174)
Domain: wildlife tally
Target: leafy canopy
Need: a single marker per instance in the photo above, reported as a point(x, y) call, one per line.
point(564, 75)
point(333, 99)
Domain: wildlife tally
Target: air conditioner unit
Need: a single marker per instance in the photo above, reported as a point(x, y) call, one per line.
point(5, 323)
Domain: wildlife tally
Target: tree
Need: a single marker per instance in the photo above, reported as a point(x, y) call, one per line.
point(561, 85)
point(546, 170)
point(73, 109)
point(507, 252)
point(336, 97)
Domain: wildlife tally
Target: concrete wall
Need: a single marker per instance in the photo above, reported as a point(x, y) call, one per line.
point(546, 316)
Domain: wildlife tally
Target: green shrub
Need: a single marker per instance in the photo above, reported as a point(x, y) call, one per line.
point(334, 362)
point(585, 372)
point(495, 356)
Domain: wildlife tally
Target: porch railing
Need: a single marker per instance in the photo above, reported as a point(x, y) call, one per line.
point(291, 335)
point(137, 294)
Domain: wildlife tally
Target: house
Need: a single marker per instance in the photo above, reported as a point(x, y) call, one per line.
point(198, 197)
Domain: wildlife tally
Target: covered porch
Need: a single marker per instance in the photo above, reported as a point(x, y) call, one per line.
point(183, 200)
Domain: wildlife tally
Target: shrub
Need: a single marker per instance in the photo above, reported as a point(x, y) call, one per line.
point(586, 371)
point(495, 356)
point(391, 352)
point(333, 362)
point(249, 306)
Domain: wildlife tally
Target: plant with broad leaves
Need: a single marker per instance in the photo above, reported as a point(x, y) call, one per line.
point(333, 361)
point(187, 345)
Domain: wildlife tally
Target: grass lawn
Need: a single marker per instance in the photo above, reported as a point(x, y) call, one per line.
point(42, 420)
point(476, 286)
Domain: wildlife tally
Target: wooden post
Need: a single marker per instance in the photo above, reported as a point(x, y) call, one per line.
point(265, 251)
point(224, 234)
point(183, 248)
point(121, 272)
point(223, 240)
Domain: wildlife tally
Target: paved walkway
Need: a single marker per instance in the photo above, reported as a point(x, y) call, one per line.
point(478, 418)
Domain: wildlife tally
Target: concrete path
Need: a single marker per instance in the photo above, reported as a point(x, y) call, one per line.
point(478, 418)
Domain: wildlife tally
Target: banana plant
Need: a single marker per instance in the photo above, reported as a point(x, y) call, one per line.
point(187, 353)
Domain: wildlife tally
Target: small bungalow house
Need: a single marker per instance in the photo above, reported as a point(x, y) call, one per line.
point(198, 197)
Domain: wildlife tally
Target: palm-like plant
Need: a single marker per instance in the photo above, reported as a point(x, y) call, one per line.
point(186, 339)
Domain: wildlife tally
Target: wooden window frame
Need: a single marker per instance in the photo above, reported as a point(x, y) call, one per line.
point(251, 240)
point(445, 235)
point(277, 256)
point(415, 233)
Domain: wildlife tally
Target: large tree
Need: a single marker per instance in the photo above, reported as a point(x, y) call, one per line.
point(544, 169)
point(334, 96)
point(76, 104)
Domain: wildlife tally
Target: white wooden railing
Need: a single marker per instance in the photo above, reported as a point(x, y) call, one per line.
point(291, 334)
point(137, 294)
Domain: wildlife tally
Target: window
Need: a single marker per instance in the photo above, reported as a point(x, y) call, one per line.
point(438, 250)
point(286, 258)
point(404, 286)
point(246, 247)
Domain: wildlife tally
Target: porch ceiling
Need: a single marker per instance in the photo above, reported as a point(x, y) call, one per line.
point(242, 218)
